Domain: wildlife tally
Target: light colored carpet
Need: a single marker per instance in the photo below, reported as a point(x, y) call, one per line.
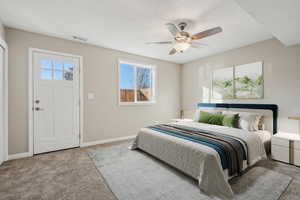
point(134, 175)
point(63, 175)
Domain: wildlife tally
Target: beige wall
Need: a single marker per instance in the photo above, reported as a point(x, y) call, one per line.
point(103, 118)
point(281, 77)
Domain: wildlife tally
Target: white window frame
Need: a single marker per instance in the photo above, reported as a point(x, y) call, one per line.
point(153, 81)
point(53, 70)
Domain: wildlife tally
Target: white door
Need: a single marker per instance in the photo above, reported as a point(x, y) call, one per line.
point(1, 105)
point(56, 102)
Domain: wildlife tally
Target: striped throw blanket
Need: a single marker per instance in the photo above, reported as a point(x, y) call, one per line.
point(232, 150)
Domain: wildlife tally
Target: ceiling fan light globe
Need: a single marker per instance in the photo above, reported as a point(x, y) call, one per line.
point(181, 46)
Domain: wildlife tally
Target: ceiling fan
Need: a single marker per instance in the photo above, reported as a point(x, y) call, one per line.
point(183, 40)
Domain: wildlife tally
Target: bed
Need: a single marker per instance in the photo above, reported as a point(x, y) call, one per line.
point(211, 154)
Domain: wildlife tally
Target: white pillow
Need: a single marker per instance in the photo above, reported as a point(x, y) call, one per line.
point(247, 121)
point(197, 113)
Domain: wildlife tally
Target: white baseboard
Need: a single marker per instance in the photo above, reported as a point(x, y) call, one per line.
point(86, 144)
point(19, 155)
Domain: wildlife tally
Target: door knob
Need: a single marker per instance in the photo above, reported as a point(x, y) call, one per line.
point(37, 101)
point(38, 109)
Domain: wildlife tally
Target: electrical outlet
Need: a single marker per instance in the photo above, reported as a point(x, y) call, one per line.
point(91, 96)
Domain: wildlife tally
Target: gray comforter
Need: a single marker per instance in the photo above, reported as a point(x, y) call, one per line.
point(197, 160)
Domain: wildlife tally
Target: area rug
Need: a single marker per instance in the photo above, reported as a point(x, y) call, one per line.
point(135, 175)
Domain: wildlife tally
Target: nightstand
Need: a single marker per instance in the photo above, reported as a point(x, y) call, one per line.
point(181, 120)
point(286, 148)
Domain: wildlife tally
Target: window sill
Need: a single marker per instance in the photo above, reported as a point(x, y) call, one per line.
point(148, 103)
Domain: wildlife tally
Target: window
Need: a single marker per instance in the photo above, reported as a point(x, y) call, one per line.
point(56, 70)
point(136, 83)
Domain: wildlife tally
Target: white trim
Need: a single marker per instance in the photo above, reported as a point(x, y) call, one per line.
point(81, 99)
point(149, 103)
point(134, 87)
point(19, 155)
point(30, 103)
point(30, 93)
point(135, 63)
point(4, 45)
point(87, 144)
point(153, 83)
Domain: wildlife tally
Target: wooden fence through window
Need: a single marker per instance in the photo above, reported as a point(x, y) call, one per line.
point(127, 95)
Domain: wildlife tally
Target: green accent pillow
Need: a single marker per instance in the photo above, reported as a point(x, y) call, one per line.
point(211, 118)
point(231, 120)
point(216, 119)
point(204, 117)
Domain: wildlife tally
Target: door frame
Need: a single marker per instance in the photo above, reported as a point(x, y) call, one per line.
point(30, 94)
point(4, 46)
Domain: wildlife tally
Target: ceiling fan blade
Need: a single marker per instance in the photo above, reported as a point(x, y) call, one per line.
point(174, 30)
point(206, 33)
point(172, 52)
point(164, 42)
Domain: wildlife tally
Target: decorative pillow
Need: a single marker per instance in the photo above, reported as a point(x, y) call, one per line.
point(198, 113)
point(216, 119)
point(261, 123)
point(231, 120)
point(204, 117)
point(211, 118)
point(247, 121)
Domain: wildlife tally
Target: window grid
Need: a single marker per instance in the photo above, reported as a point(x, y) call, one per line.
point(52, 69)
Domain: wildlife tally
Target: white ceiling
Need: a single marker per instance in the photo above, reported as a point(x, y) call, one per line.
point(280, 17)
point(127, 25)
